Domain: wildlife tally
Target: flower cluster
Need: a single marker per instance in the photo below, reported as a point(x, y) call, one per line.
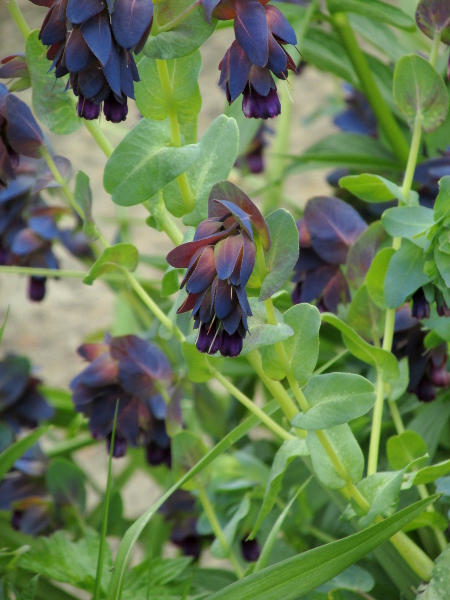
point(94, 42)
point(127, 370)
point(219, 263)
point(257, 53)
point(327, 230)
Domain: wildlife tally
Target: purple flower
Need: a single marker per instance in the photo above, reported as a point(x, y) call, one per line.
point(253, 157)
point(126, 369)
point(219, 263)
point(326, 232)
point(358, 117)
point(94, 43)
point(256, 54)
point(251, 550)
point(21, 403)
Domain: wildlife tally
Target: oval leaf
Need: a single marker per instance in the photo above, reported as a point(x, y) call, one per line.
point(120, 256)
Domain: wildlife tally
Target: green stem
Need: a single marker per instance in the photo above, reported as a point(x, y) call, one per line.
point(102, 141)
point(175, 132)
point(251, 406)
point(165, 219)
point(37, 272)
point(67, 447)
point(435, 48)
point(18, 18)
point(217, 529)
point(59, 179)
point(384, 116)
point(177, 20)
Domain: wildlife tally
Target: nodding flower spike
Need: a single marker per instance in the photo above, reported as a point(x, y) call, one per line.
point(219, 263)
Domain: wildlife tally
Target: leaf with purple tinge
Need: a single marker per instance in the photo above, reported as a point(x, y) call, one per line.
point(13, 66)
point(433, 16)
point(280, 26)
point(334, 226)
point(53, 30)
point(130, 20)
point(97, 33)
point(77, 55)
point(207, 6)
point(24, 134)
point(250, 28)
point(362, 253)
point(226, 253)
point(112, 72)
point(140, 363)
point(79, 11)
point(227, 191)
point(45, 177)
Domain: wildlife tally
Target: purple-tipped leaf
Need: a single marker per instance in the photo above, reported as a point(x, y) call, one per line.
point(53, 30)
point(226, 254)
point(334, 226)
point(24, 134)
point(14, 66)
point(130, 20)
point(79, 11)
point(239, 67)
point(433, 16)
point(207, 7)
point(97, 33)
point(280, 26)
point(250, 28)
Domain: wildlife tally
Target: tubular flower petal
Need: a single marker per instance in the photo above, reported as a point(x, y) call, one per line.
point(219, 262)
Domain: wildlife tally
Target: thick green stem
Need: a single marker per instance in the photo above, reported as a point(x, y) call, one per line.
point(181, 17)
point(385, 118)
point(102, 141)
point(217, 529)
point(251, 406)
point(175, 132)
point(18, 18)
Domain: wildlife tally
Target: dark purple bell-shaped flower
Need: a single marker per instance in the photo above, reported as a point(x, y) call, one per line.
point(94, 43)
point(251, 550)
point(127, 370)
point(420, 305)
point(219, 262)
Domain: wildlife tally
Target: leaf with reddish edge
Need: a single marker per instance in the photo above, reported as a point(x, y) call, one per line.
point(180, 256)
point(226, 11)
point(140, 363)
point(130, 21)
point(79, 11)
point(250, 28)
point(24, 134)
point(433, 16)
point(225, 190)
point(97, 33)
point(334, 226)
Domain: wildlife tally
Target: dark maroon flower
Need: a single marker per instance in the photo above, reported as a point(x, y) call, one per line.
point(94, 43)
point(125, 369)
point(219, 263)
point(326, 232)
point(251, 550)
point(420, 305)
point(256, 54)
point(21, 404)
point(253, 157)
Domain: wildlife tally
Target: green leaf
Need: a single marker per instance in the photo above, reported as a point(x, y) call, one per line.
point(302, 348)
point(381, 359)
point(404, 448)
point(12, 454)
point(229, 531)
point(371, 188)
point(439, 584)
point(346, 448)
point(404, 274)
point(288, 451)
point(187, 450)
point(362, 253)
point(431, 473)
point(120, 256)
point(420, 91)
point(2, 328)
point(261, 333)
point(353, 579)
point(144, 162)
point(170, 283)
point(346, 150)
point(292, 578)
point(409, 222)
point(184, 38)
point(83, 196)
point(183, 73)
point(65, 481)
point(431, 421)
point(335, 398)
point(376, 276)
point(382, 491)
point(397, 388)
point(66, 561)
point(199, 365)
point(219, 146)
point(132, 534)
point(283, 254)
point(442, 204)
point(364, 316)
point(51, 104)
point(374, 9)
point(29, 591)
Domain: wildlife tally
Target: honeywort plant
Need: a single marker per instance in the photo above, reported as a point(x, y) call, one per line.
point(284, 380)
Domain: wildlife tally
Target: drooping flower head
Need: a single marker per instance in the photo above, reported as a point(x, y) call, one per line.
point(326, 232)
point(258, 52)
point(125, 369)
point(219, 263)
point(94, 42)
